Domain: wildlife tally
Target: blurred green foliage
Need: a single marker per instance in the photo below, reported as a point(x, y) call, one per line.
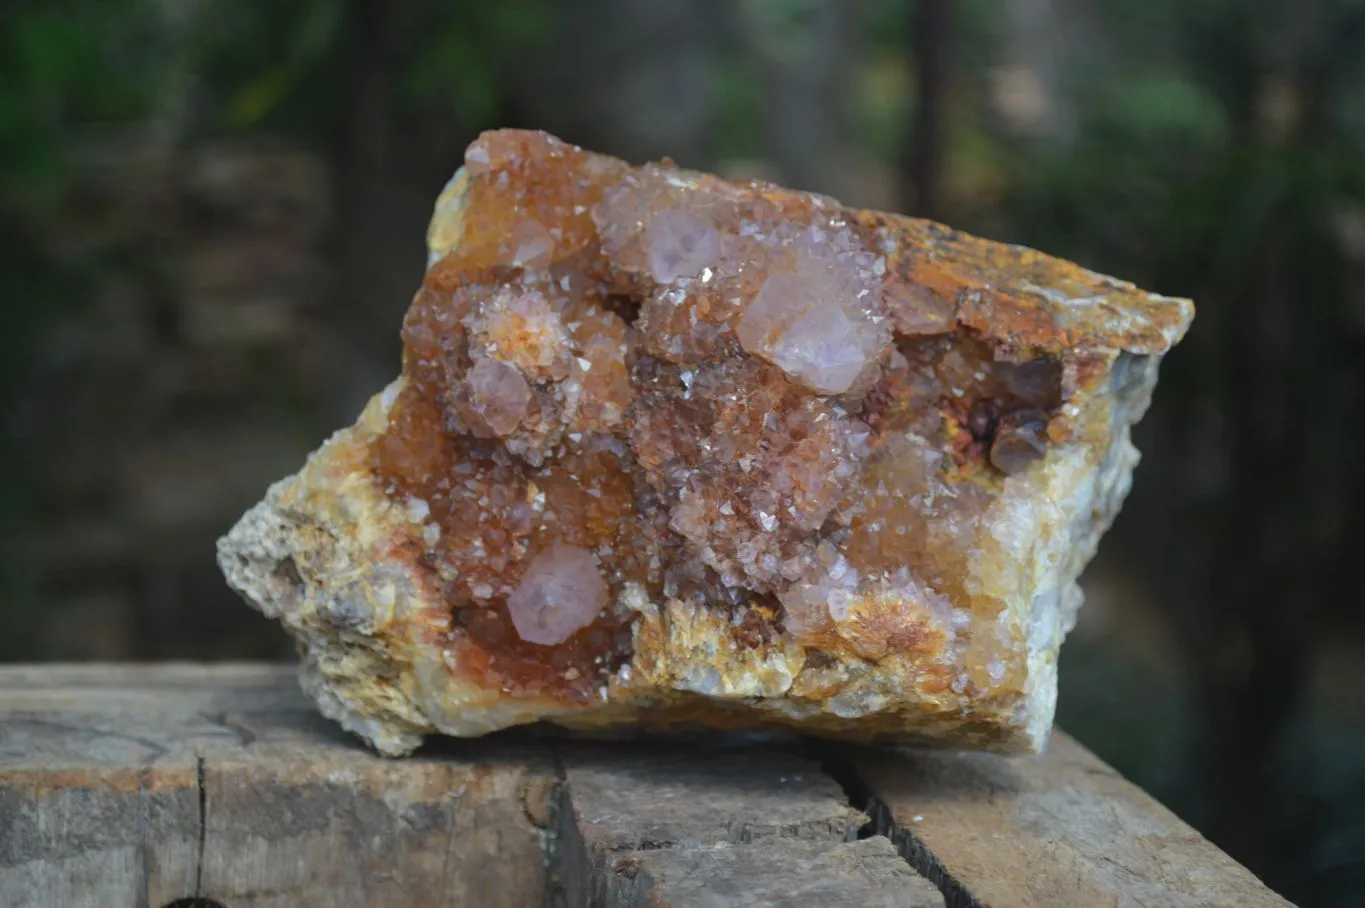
point(68, 71)
point(284, 66)
point(66, 68)
point(273, 62)
point(737, 101)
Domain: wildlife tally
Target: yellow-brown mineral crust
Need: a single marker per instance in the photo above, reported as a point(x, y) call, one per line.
point(677, 452)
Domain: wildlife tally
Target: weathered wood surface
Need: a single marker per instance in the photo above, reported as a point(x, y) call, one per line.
point(1061, 831)
point(137, 786)
point(654, 795)
point(785, 873)
point(720, 826)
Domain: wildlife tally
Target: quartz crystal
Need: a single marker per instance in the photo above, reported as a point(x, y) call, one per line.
point(560, 594)
point(674, 452)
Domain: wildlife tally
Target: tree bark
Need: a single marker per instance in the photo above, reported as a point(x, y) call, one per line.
point(806, 71)
point(379, 228)
point(932, 28)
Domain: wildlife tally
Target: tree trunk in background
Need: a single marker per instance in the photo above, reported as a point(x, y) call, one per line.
point(625, 77)
point(1254, 665)
point(807, 70)
point(931, 33)
point(381, 214)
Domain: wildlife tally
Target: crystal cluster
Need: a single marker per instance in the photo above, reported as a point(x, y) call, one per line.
point(677, 452)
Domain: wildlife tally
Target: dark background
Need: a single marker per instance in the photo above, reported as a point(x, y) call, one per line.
point(212, 216)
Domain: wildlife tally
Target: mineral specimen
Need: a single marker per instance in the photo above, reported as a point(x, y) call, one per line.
point(676, 452)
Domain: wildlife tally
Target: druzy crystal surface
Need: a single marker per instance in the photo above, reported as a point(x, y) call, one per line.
point(676, 452)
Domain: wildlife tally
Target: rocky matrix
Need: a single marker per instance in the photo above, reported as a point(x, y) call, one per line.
point(676, 452)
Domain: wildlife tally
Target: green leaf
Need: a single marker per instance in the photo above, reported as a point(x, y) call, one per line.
point(252, 102)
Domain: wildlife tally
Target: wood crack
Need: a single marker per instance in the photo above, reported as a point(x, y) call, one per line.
point(658, 826)
point(203, 826)
point(144, 883)
point(245, 736)
point(881, 822)
point(452, 809)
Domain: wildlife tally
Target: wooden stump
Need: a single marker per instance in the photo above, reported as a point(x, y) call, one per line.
point(149, 787)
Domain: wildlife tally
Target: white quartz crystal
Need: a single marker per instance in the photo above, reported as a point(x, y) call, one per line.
point(825, 594)
point(681, 244)
point(559, 595)
point(531, 245)
point(817, 320)
point(499, 394)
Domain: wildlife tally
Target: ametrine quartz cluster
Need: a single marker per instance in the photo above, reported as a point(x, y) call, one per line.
point(670, 449)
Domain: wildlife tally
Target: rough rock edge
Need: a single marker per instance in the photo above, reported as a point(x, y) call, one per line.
point(256, 558)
